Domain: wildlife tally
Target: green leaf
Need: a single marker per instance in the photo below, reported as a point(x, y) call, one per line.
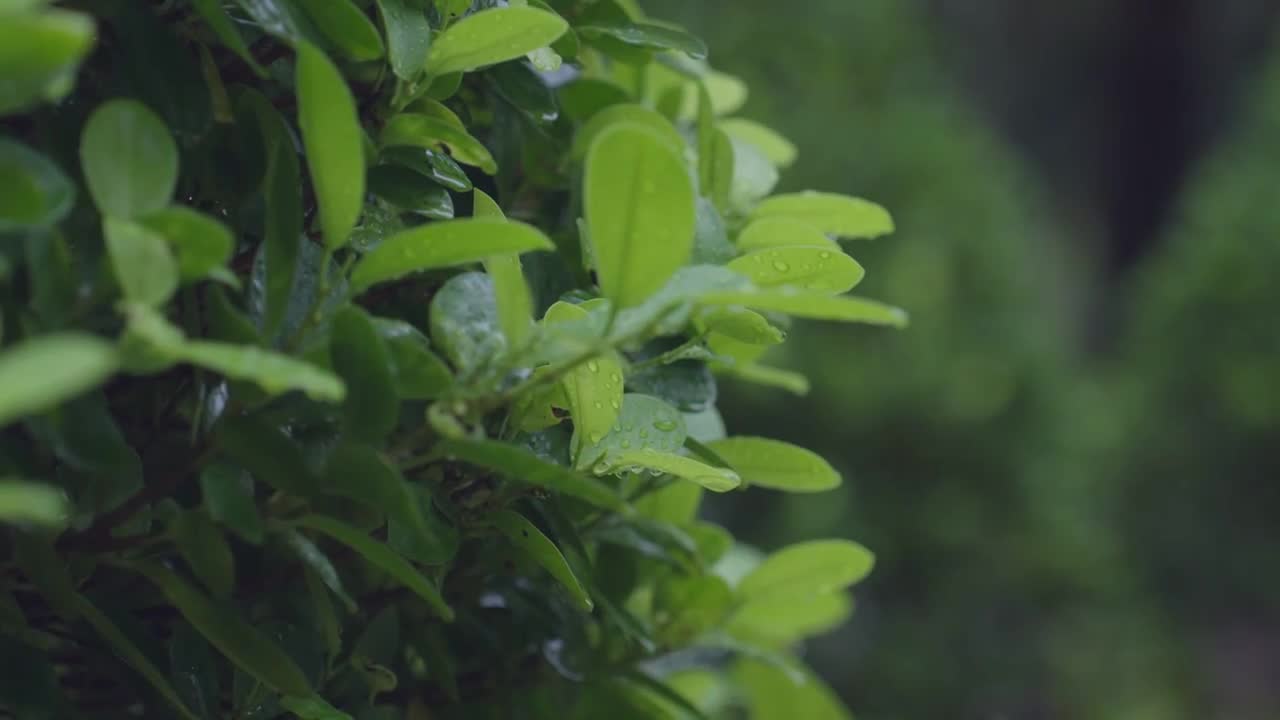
point(518, 84)
point(228, 494)
point(812, 305)
point(464, 322)
point(382, 557)
point(28, 503)
point(143, 263)
point(358, 472)
point(593, 389)
point(829, 213)
point(676, 503)
point(781, 231)
point(715, 154)
point(783, 622)
point(711, 244)
point(36, 192)
point(242, 643)
point(436, 546)
point(806, 569)
point(492, 36)
point(773, 695)
point(279, 18)
point(313, 707)
point(363, 361)
point(776, 464)
point(410, 191)
point(780, 151)
point(215, 16)
point(419, 373)
point(584, 97)
point(526, 536)
point(510, 288)
point(820, 269)
point(648, 36)
point(320, 566)
point(42, 373)
point(639, 206)
point(712, 478)
point(334, 145)
point(625, 113)
point(742, 325)
point(753, 175)
point(444, 244)
point(206, 551)
point(39, 54)
point(686, 607)
point(129, 159)
point(346, 26)
point(793, 382)
point(418, 130)
point(526, 468)
point(643, 423)
point(433, 164)
point(273, 372)
point(194, 670)
point(267, 453)
point(203, 244)
point(408, 37)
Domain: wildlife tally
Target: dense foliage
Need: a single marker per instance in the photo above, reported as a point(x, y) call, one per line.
point(359, 359)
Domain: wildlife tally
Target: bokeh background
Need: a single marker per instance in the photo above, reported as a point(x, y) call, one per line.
point(1069, 466)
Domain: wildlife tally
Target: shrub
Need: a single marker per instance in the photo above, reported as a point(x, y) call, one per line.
point(281, 431)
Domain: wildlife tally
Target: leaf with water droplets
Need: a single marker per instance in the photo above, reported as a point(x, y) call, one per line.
point(742, 325)
point(770, 232)
point(648, 36)
point(444, 244)
point(712, 478)
point(830, 213)
point(644, 422)
point(426, 131)
point(812, 305)
point(593, 389)
point(492, 36)
point(820, 269)
point(639, 206)
point(408, 37)
point(776, 464)
point(464, 323)
point(524, 467)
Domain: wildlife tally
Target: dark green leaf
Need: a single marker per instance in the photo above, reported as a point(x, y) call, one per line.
point(408, 36)
point(433, 164)
point(526, 536)
point(267, 453)
point(420, 374)
point(362, 360)
point(36, 194)
point(222, 25)
point(206, 551)
point(345, 26)
point(410, 191)
point(228, 494)
point(526, 468)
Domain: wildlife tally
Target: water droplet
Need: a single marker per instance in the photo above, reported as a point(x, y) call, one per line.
point(664, 424)
point(824, 255)
point(644, 433)
point(615, 377)
point(625, 443)
point(759, 259)
point(615, 404)
point(596, 438)
point(806, 267)
point(593, 366)
point(781, 266)
point(773, 253)
point(599, 405)
point(628, 427)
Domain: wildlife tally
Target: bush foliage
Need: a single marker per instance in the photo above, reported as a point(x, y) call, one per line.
point(359, 360)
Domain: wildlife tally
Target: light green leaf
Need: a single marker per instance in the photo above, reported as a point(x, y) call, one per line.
point(464, 322)
point(206, 551)
point(742, 325)
point(242, 643)
point(444, 244)
point(36, 192)
point(780, 231)
point(41, 373)
point(420, 374)
point(820, 269)
point(806, 569)
point(408, 37)
point(783, 622)
point(418, 130)
point(526, 536)
point(753, 175)
point(362, 360)
point(215, 16)
point(593, 389)
point(780, 151)
point(510, 288)
point(129, 159)
point(812, 305)
point(712, 478)
point(776, 464)
point(346, 26)
point(203, 244)
point(31, 503)
point(773, 695)
point(715, 155)
point(39, 55)
point(639, 206)
point(648, 36)
point(334, 144)
point(228, 494)
point(676, 503)
point(830, 213)
point(492, 36)
point(382, 557)
point(728, 93)
point(686, 607)
point(644, 422)
point(526, 468)
point(793, 382)
point(626, 113)
point(143, 263)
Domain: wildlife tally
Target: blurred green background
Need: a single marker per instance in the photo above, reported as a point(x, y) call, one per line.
point(1069, 466)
